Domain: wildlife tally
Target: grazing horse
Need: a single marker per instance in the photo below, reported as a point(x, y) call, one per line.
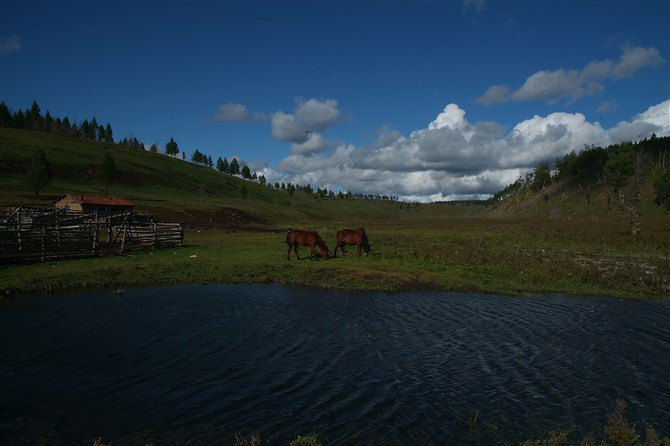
point(356, 237)
point(305, 238)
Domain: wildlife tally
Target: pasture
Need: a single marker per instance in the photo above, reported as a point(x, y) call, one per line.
point(491, 255)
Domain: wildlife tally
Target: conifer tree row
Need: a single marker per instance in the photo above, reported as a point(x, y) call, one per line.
point(32, 119)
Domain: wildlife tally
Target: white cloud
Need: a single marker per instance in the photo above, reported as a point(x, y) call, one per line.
point(452, 158)
point(315, 143)
point(310, 118)
point(656, 119)
point(384, 137)
point(495, 94)
point(551, 85)
point(634, 59)
point(236, 112)
point(573, 84)
point(11, 44)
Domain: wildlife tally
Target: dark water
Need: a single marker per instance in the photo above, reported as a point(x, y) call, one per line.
point(196, 364)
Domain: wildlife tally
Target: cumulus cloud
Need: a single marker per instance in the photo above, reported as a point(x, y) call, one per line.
point(11, 44)
point(309, 117)
point(452, 158)
point(571, 85)
point(236, 112)
point(384, 136)
point(314, 143)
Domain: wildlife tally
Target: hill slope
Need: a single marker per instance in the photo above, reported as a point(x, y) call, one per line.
point(178, 190)
point(575, 196)
point(175, 189)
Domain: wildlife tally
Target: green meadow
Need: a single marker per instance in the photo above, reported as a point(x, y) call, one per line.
point(547, 242)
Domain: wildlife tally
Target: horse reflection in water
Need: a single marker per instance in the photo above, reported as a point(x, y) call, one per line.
point(305, 238)
point(356, 237)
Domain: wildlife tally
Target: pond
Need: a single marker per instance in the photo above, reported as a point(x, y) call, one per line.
point(197, 364)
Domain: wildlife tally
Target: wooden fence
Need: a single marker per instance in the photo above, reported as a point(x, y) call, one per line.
point(31, 235)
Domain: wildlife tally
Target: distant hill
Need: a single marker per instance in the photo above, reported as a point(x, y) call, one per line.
point(172, 188)
point(585, 185)
point(577, 187)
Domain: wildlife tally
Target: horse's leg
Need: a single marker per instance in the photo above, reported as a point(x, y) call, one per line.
point(295, 249)
point(359, 247)
point(288, 254)
point(311, 252)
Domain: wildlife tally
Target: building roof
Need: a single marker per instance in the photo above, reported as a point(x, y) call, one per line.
point(98, 200)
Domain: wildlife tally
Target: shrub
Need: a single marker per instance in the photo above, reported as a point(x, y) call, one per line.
point(662, 187)
point(307, 440)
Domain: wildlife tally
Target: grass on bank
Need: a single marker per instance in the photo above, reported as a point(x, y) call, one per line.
point(616, 432)
point(487, 255)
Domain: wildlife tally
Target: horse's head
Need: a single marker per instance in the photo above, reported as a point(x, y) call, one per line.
point(366, 250)
point(325, 254)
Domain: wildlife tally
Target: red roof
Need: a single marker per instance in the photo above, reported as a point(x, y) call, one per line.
point(102, 201)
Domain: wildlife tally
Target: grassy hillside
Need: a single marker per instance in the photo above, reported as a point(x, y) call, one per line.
point(587, 193)
point(175, 189)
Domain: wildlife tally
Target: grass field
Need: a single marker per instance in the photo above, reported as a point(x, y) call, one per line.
point(457, 254)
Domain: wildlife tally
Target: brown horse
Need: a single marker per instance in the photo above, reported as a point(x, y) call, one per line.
point(305, 238)
point(356, 237)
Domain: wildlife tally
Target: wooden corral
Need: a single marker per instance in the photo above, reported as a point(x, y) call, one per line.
point(31, 234)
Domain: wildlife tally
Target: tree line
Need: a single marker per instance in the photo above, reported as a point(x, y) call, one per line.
point(33, 119)
point(615, 165)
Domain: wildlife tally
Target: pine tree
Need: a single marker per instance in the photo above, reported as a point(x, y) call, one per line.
point(108, 134)
point(246, 173)
point(234, 167)
point(94, 128)
point(35, 117)
point(171, 148)
point(48, 122)
point(5, 116)
point(154, 148)
point(85, 128)
point(108, 171)
point(196, 157)
point(39, 173)
point(19, 120)
point(66, 126)
point(225, 168)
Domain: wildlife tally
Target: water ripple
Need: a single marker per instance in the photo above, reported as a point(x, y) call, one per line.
point(198, 363)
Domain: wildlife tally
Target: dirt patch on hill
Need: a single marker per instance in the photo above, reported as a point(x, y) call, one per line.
point(221, 218)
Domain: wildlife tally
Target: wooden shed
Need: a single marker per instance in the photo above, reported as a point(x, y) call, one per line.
point(94, 203)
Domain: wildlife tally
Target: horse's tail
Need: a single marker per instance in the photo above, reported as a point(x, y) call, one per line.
point(288, 233)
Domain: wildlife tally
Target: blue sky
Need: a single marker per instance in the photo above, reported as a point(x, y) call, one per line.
point(424, 100)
